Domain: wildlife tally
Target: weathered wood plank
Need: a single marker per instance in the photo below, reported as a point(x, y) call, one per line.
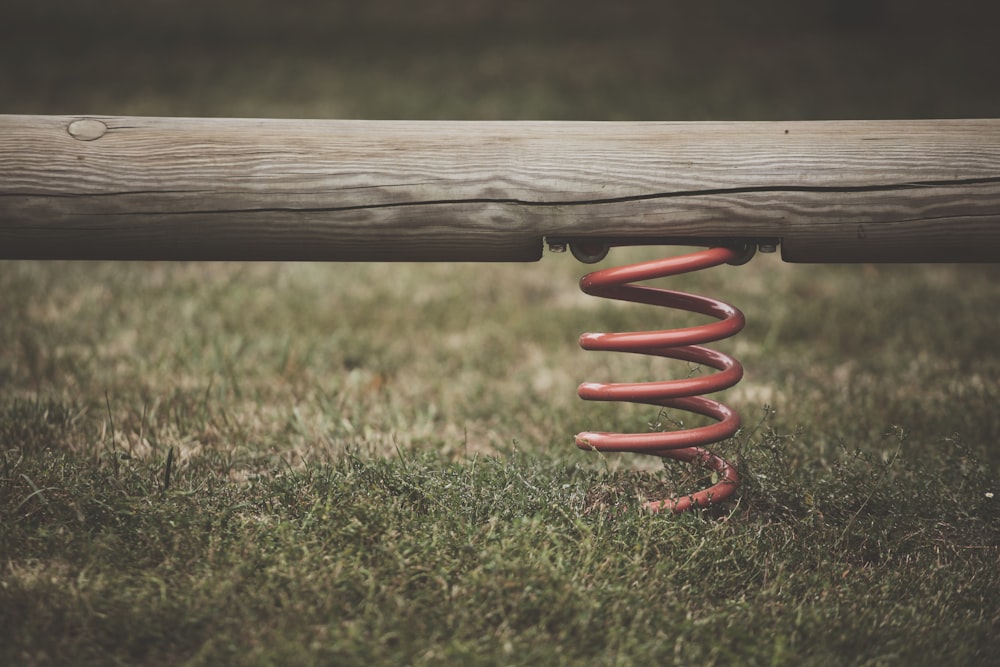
point(107, 187)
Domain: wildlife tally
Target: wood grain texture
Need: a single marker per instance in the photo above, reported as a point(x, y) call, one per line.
point(107, 187)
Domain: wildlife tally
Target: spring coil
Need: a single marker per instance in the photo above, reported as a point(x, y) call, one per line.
point(682, 394)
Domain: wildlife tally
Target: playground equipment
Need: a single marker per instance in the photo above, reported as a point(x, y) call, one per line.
point(106, 187)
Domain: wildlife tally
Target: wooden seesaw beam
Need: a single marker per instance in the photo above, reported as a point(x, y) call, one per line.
point(108, 187)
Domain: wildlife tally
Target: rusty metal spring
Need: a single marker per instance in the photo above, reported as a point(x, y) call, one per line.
point(682, 394)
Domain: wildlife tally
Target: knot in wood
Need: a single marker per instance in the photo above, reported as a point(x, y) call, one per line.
point(87, 129)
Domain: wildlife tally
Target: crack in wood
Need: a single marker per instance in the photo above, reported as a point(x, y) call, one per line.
point(676, 194)
point(87, 195)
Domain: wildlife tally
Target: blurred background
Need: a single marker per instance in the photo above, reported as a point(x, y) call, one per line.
point(517, 59)
point(841, 352)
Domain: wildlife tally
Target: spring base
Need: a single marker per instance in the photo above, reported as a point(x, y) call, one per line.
point(682, 394)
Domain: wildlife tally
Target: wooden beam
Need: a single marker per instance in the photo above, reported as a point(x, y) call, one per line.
point(107, 187)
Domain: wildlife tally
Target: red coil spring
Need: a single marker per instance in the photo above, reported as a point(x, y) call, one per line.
point(682, 394)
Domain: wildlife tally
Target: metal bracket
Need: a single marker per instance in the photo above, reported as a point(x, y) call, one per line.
point(593, 249)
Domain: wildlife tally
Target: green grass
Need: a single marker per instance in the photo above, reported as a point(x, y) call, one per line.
point(373, 463)
point(342, 493)
point(519, 559)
